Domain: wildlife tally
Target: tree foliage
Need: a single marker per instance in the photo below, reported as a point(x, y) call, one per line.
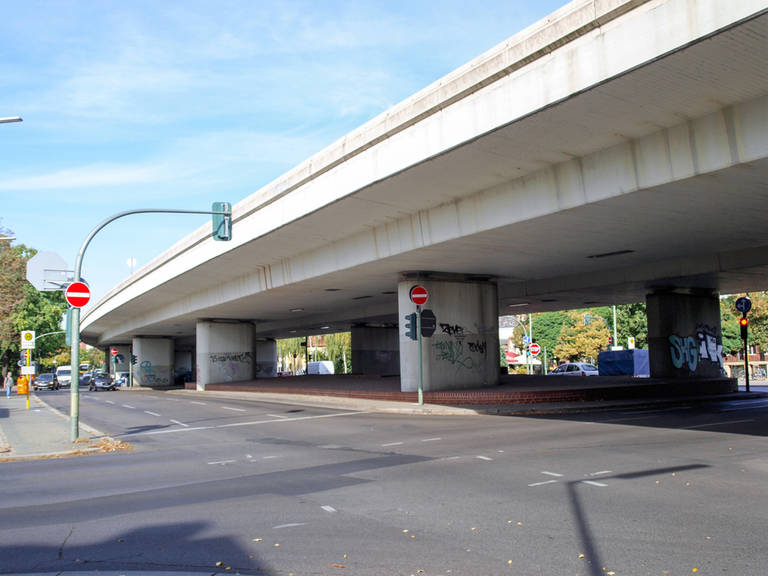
point(583, 337)
point(22, 307)
point(339, 349)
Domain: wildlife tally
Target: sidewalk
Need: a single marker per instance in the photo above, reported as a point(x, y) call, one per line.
point(42, 432)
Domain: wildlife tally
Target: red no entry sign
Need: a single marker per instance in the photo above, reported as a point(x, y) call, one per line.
point(113, 351)
point(534, 349)
point(419, 295)
point(77, 294)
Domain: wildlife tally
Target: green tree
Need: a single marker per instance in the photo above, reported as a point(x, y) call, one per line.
point(339, 349)
point(632, 321)
point(287, 348)
point(547, 327)
point(584, 335)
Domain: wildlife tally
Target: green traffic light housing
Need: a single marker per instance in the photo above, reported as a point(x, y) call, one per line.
point(222, 221)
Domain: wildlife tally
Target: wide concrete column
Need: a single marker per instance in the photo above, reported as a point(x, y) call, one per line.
point(121, 362)
point(464, 350)
point(375, 350)
point(684, 336)
point(266, 358)
point(154, 361)
point(224, 352)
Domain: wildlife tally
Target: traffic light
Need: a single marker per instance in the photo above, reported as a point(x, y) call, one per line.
point(610, 340)
point(410, 325)
point(133, 358)
point(743, 324)
point(222, 221)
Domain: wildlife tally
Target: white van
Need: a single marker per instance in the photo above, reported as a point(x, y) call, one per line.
point(320, 367)
point(64, 376)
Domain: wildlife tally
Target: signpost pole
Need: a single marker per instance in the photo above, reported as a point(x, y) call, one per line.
point(418, 343)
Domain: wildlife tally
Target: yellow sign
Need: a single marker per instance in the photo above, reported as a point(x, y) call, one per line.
point(27, 339)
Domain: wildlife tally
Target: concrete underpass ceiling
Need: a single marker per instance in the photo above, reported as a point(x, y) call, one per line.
point(706, 232)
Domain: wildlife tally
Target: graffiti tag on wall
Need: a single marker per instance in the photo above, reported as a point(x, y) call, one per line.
point(230, 366)
point(463, 353)
point(690, 351)
point(148, 375)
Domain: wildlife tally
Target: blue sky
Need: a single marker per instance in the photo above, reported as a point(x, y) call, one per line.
point(178, 103)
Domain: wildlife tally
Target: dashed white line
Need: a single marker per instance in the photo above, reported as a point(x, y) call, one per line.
point(555, 474)
point(180, 423)
point(328, 508)
point(393, 444)
point(593, 483)
point(711, 424)
point(277, 415)
point(431, 439)
point(543, 483)
point(198, 403)
point(221, 462)
point(129, 406)
point(234, 409)
point(151, 413)
point(109, 401)
point(601, 472)
point(484, 458)
point(269, 457)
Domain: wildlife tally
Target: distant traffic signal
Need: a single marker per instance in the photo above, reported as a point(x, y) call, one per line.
point(410, 325)
point(743, 324)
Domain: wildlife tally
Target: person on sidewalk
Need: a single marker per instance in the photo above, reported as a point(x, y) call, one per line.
point(8, 384)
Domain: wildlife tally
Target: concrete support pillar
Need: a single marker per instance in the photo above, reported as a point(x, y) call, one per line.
point(154, 361)
point(464, 351)
point(224, 352)
point(184, 359)
point(375, 350)
point(684, 336)
point(266, 358)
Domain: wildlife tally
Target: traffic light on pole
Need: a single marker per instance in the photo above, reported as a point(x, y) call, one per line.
point(410, 325)
point(743, 324)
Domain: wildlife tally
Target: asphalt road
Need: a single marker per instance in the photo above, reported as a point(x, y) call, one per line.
point(262, 488)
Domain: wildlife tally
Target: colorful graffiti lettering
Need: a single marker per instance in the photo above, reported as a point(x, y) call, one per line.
point(689, 351)
point(148, 375)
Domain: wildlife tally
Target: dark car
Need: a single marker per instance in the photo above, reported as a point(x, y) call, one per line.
point(101, 381)
point(46, 381)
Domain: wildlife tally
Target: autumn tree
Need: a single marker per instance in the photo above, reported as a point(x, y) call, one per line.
point(583, 336)
point(339, 349)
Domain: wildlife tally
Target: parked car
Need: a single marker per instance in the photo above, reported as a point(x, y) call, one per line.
point(101, 381)
point(64, 376)
point(575, 369)
point(46, 381)
point(85, 378)
point(121, 378)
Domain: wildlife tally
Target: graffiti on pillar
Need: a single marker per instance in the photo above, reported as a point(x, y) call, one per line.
point(230, 366)
point(458, 348)
point(690, 351)
point(452, 330)
point(453, 351)
point(148, 375)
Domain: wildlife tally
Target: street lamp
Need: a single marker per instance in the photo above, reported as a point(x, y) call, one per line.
point(9, 119)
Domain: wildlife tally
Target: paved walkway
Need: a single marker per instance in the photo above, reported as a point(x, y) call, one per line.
point(43, 432)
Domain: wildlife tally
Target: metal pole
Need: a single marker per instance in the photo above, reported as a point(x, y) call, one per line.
point(74, 410)
point(746, 362)
point(418, 343)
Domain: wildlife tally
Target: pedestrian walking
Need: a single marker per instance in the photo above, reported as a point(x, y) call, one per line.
point(8, 384)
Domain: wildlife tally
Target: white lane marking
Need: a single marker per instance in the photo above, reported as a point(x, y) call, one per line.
point(109, 401)
point(222, 462)
point(431, 439)
point(711, 424)
point(129, 406)
point(198, 403)
point(180, 423)
point(330, 446)
point(484, 458)
point(393, 444)
point(277, 415)
point(253, 423)
point(555, 474)
point(234, 409)
point(291, 525)
point(269, 457)
point(328, 508)
point(601, 472)
point(593, 483)
point(543, 483)
point(151, 413)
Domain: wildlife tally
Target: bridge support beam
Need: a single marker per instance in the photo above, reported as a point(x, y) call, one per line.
point(224, 352)
point(154, 361)
point(684, 335)
point(463, 352)
point(375, 350)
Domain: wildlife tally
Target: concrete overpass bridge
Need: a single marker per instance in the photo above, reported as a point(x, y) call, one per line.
point(615, 151)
